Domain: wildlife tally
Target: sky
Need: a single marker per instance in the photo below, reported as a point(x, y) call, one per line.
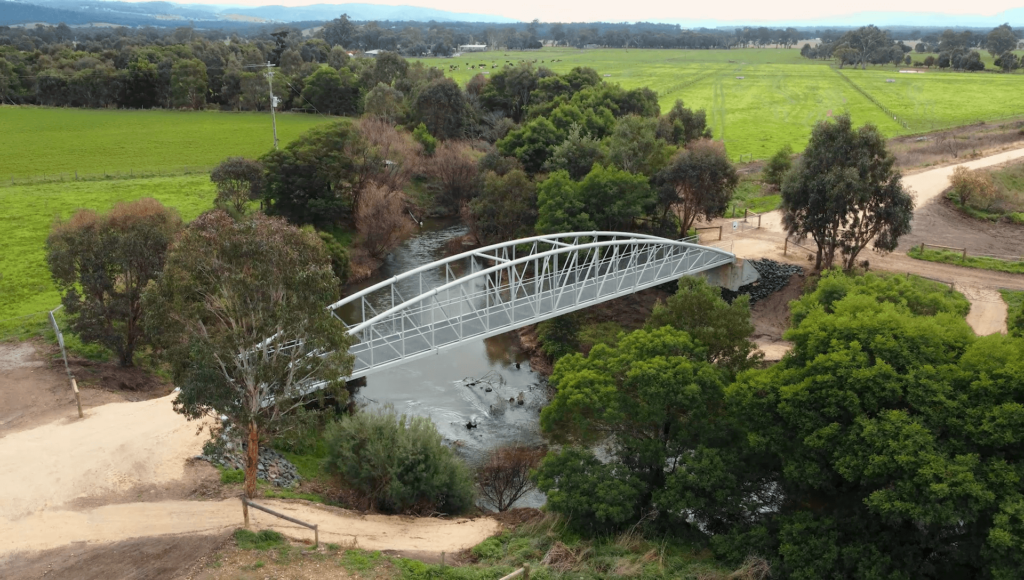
point(638, 10)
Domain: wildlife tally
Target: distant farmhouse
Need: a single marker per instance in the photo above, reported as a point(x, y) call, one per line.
point(472, 47)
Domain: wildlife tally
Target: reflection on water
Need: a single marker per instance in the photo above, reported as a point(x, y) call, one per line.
point(447, 387)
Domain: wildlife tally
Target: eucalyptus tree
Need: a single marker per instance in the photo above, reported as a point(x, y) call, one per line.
point(239, 313)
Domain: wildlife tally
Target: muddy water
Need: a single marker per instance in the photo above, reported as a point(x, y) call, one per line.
point(472, 383)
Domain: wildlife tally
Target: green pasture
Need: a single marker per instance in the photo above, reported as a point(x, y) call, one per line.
point(39, 141)
point(774, 105)
point(936, 99)
point(620, 63)
point(29, 212)
point(781, 94)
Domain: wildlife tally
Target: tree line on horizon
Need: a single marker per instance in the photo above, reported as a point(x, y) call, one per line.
point(956, 50)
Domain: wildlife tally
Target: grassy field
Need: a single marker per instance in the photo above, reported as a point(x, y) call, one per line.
point(935, 100)
point(43, 140)
point(29, 211)
point(781, 94)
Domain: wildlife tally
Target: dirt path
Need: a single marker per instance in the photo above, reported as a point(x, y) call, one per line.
point(934, 222)
point(113, 523)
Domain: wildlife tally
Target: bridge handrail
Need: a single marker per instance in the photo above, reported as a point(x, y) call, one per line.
point(469, 253)
point(525, 259)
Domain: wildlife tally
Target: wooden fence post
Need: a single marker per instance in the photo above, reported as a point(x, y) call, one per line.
point(964, 257)
point(78, 397)
point(785, 247)
point(526, 572)
point(245, 511)
point(719, 232)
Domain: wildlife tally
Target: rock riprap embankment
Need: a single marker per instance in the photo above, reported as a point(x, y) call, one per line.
point(272, 467)
point(774, 277)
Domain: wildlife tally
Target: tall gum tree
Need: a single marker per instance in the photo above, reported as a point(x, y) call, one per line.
point(846, 192)
point(240, 312)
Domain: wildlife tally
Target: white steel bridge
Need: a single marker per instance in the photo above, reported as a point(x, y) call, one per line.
point(506, 286)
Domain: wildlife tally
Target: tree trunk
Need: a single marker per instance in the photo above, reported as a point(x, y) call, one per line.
point(252, 461)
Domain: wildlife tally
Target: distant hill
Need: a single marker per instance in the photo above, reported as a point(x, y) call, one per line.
point(1015, 16)
point(365, 12)
point(18, 13)
point(78, 12)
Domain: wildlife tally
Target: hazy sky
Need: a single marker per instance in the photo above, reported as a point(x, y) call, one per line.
point(634, 10)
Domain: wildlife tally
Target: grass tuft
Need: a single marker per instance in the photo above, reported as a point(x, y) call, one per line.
point(262, 540)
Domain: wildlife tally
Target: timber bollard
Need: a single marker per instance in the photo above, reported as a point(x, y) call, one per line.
point(245, 511)
point(78, 397)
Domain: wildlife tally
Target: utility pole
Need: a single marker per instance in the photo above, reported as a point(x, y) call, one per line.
point(273, 100)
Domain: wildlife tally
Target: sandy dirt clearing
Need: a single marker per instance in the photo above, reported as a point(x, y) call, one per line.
point(113, 523)
point(33, 392)
point(116, 447)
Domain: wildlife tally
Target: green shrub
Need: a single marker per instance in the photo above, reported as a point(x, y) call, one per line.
point(778, 166)
point(232, 476)
point(338, 254)
point(600, 333)
point(489, 549)
point(423, 137)
point(261, 540)
point(1014, 312)
point(398, 463)
point(919, 296)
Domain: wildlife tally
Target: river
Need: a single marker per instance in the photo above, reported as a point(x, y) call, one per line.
point(471, 383)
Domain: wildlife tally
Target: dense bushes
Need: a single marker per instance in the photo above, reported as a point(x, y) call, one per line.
point(398, 463)
point(102, 263)
point(885, 445)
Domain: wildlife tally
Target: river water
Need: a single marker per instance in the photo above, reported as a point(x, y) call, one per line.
point(472, 383)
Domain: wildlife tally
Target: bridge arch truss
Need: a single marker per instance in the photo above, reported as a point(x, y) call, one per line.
point(507, 286)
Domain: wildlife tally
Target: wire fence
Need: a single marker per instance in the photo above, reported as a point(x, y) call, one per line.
point(131, 173)
point(965, 253)
point(25, 326)
point(867, 96)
